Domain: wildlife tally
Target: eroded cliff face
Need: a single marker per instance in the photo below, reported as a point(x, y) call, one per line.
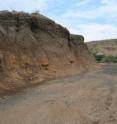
point(34, 48)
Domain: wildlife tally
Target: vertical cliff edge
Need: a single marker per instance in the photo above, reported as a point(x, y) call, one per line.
point(34, 48)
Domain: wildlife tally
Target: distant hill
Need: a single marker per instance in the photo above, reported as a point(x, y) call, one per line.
point(104, 50)
point(106, 47)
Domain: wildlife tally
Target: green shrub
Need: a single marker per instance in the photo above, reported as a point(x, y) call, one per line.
point(103, 58)
point(99, 57)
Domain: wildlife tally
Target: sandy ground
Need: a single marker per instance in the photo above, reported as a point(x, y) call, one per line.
point(82, 99)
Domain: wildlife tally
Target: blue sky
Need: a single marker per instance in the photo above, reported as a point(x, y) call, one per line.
point(95, 19)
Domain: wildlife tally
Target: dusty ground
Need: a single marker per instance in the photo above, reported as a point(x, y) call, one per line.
point(83, 99)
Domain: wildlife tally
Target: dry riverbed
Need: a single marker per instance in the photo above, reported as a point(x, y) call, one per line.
point(81, 99)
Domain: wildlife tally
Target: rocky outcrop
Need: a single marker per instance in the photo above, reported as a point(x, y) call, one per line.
point(34, 48)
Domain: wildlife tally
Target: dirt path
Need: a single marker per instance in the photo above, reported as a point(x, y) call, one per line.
point(83, 99)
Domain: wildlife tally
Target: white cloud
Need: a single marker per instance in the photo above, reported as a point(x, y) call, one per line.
point(94, 23)
point(83, 2)
point(105, 1)
point(96, 31)
point(23, 5)
point(107, 10)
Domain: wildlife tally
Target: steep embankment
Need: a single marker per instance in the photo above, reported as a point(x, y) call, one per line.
point(34, 48)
